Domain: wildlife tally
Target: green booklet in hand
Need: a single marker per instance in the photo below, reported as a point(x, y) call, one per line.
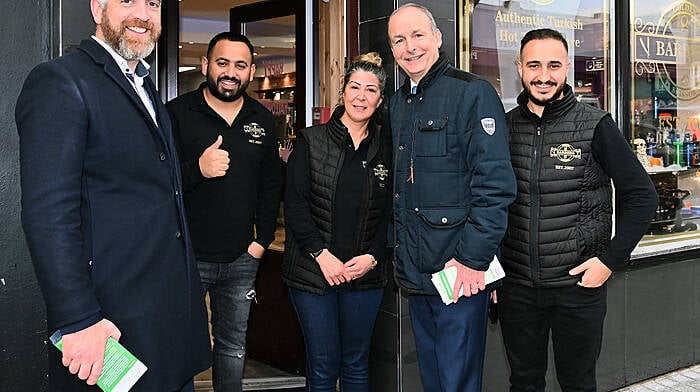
point(121, 369)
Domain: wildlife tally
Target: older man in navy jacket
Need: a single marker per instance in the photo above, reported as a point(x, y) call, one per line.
point(453, 184)
point(102, 208)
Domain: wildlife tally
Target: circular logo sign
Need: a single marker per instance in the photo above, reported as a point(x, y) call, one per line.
point(679, 21)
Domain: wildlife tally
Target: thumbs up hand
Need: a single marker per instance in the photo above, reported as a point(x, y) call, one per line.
point(214, 161)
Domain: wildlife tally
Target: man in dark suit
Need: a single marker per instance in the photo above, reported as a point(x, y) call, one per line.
point(102, 208)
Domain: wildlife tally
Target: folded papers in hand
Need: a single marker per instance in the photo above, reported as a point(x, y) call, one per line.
point(444, 280)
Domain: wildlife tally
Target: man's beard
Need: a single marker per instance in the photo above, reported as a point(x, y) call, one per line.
point(226, 95)
point(557, 93)
point(129, 49)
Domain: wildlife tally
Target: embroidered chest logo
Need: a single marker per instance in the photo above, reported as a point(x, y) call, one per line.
point(381, 172)
point(489, 125)
point(565, 152)
point(254, 130)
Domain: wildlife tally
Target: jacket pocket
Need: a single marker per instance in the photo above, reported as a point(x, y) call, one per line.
point(439, 231)
point(431, 138)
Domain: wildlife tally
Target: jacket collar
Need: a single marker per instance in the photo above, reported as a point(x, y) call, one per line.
point(552, 110)
point(142, 67)
point(338, 132)
point(436, 70)
point(103, 58)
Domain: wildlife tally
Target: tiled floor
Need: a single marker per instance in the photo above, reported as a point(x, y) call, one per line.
point(683, 380)
point(257, 376)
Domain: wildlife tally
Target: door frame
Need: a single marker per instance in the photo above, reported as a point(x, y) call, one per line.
point(254, 12)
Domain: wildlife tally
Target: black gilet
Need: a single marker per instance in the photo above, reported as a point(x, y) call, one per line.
point(563, 211)
point(326, 155)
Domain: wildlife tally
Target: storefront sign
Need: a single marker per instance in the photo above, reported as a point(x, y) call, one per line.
point(514, 25)
point(502, 26)
point(278, 108)
point(665, 49)
point(273, 68)
point(670, 49)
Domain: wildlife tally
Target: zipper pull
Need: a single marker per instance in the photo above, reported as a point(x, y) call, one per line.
point(410, 176)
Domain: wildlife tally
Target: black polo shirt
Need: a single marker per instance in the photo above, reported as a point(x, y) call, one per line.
point(226, 213)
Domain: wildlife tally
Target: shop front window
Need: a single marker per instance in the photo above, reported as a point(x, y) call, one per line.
point(665, 118)
point(490, 33)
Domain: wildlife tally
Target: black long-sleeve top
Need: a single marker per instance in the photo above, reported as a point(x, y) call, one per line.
point(635, 192)
point(350, 188)
point(227, 213)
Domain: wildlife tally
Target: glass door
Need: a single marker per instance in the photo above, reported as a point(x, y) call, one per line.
point(276, 30)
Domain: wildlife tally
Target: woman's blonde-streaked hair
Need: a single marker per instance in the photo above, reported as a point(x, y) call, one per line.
point(368, 62)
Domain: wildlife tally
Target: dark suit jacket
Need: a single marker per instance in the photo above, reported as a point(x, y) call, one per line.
point(104, 220)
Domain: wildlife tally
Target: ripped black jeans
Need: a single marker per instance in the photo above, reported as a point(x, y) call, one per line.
point(231, 288)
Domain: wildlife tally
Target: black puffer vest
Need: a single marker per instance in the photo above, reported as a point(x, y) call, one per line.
point(562, 213)
point(326, 156)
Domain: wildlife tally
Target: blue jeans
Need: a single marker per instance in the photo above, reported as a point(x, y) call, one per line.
point(337, 328)
point(450, 341)
point(231, 288)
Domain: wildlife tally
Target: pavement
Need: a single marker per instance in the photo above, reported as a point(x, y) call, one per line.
point(682, 380)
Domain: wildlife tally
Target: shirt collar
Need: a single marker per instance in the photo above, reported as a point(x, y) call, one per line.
point(142, 68)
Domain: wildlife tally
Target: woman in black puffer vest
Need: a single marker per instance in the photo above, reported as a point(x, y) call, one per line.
point(336, 213)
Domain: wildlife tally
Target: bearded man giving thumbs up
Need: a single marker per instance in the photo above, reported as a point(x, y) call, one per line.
point(232, 179)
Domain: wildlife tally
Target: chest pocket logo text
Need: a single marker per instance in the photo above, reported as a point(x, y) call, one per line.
point(381, 172)
point(255, 131)
point(564, 153)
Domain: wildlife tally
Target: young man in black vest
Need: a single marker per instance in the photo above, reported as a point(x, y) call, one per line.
point(557, 252)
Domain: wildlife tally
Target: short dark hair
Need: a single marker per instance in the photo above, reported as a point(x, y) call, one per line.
point(543, 34)
point(233, 37)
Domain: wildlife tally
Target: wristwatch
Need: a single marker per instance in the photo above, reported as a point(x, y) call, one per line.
point(374, 261)
point(314, 255)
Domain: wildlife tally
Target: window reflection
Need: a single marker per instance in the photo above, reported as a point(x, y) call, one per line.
point(493, 42)
point(665, 118)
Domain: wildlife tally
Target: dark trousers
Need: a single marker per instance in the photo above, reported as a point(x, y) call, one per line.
point(231, 288)
point(337, 328)
point(573, 314)
point(188, 387)
point(450, 341)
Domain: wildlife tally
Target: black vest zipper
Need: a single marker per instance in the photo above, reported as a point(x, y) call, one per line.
point(535, 208)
